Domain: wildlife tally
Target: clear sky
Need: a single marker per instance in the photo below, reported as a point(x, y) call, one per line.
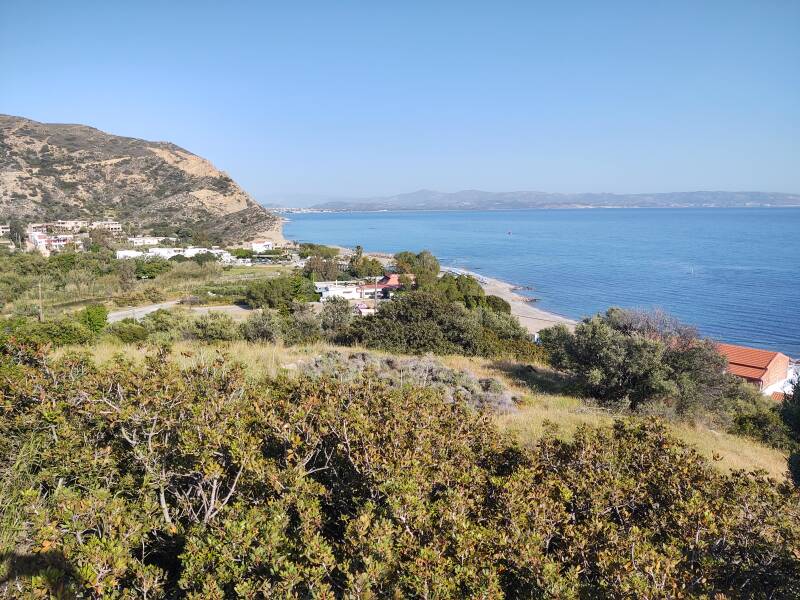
point(344, 98)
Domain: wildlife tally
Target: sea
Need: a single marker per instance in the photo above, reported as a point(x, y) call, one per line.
point(732, 273)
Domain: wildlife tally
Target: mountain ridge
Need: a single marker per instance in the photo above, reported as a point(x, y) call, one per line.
point(482, 200)
point(63, 170)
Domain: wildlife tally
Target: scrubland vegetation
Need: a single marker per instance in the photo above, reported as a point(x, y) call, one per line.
point(430, 450)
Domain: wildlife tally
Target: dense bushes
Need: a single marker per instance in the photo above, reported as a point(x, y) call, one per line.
point(629, 359)
point(281, 292)
point(57, 332)
point(421, 322)
point(147, 480)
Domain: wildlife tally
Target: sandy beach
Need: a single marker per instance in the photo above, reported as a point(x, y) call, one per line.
point(535, 319)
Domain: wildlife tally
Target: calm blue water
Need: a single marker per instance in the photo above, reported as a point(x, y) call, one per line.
point(733, 273)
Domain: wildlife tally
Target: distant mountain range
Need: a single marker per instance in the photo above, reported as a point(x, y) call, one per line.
point(54, 171)
point(480, 200)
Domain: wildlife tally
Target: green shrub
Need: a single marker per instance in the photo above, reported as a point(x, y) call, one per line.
point(207, 483)
point(764, 424)
point(94, 317)
point(300, 326)
point(498, 304)
point(151, 267)
point(336, 316)
point(629, 359)
point(214, 327)
point(281, 292)
point(421, 321)
point(261, 326)
point(308, 250)
point(59, 332)
point(128, 331)
point(417, 323)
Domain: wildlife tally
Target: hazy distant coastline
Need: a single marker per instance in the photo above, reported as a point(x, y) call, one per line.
point(526, 200)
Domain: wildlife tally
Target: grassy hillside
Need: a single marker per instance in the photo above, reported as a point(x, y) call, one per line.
point(537, 386)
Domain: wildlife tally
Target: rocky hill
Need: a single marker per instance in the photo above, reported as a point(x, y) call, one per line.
point(54, 171)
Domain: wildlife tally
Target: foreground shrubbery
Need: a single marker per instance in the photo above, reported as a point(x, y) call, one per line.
point(151, 481)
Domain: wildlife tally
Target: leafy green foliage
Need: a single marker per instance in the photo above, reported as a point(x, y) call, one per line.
point(498, 304)
point(57, 332)
point(131, 480)
point(336, 316)
point(128, 331)
point(151, 267)
point(318, 250)
point(423, 265)
point(94, 316)
point(261, 326)
point(630, 359)
point(300, 326)
point(321, 269)
point(214, 327)
point(364, 266)
point(420, 322)
point(281, 292)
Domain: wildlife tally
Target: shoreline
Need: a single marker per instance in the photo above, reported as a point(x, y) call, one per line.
point(532, 318)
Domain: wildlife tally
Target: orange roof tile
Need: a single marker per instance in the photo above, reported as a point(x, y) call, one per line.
point(745, 371)
point(749, 357)
point(778, 396)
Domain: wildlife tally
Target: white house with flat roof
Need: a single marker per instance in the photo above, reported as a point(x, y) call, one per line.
point(261, 246)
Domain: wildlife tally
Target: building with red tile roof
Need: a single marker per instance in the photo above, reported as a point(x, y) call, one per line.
point(762, 368)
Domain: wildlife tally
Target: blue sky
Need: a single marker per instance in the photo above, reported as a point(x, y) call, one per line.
point(372, 98)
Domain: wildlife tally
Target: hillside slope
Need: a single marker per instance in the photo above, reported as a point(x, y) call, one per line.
point(54, 171)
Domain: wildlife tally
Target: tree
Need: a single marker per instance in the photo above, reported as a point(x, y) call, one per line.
point(424, 266)
point(215, 327)
point(364, 266)
point(790, 410)
point(280, 292)
point(261, 326)
point(321, 269)
point(300, 326)
point(498, 304)
point(336, 316)
point(95, 317)
point(151, 267)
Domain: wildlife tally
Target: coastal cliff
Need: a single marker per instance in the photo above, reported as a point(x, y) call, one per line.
point(57, 171)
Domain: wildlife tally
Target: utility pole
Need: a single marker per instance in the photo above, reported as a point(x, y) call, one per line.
point(41, 306)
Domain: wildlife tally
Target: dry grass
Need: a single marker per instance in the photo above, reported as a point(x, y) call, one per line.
point(727, 452)
point(538, 386)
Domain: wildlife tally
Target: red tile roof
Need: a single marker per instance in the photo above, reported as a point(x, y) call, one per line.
point(750, 363)
point(751, 357)
point(778, 396)
point(745, 371)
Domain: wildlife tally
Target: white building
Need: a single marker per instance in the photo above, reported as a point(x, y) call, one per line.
point(145, 240)
point(49, 243)
point(70, 225)
point(125, 254)
point(166, 253)
point(334, 289)
point(107, 225)
point(5, 230)
point(261, 246)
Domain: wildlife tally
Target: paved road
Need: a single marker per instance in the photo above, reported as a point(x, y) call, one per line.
point(137, 312)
